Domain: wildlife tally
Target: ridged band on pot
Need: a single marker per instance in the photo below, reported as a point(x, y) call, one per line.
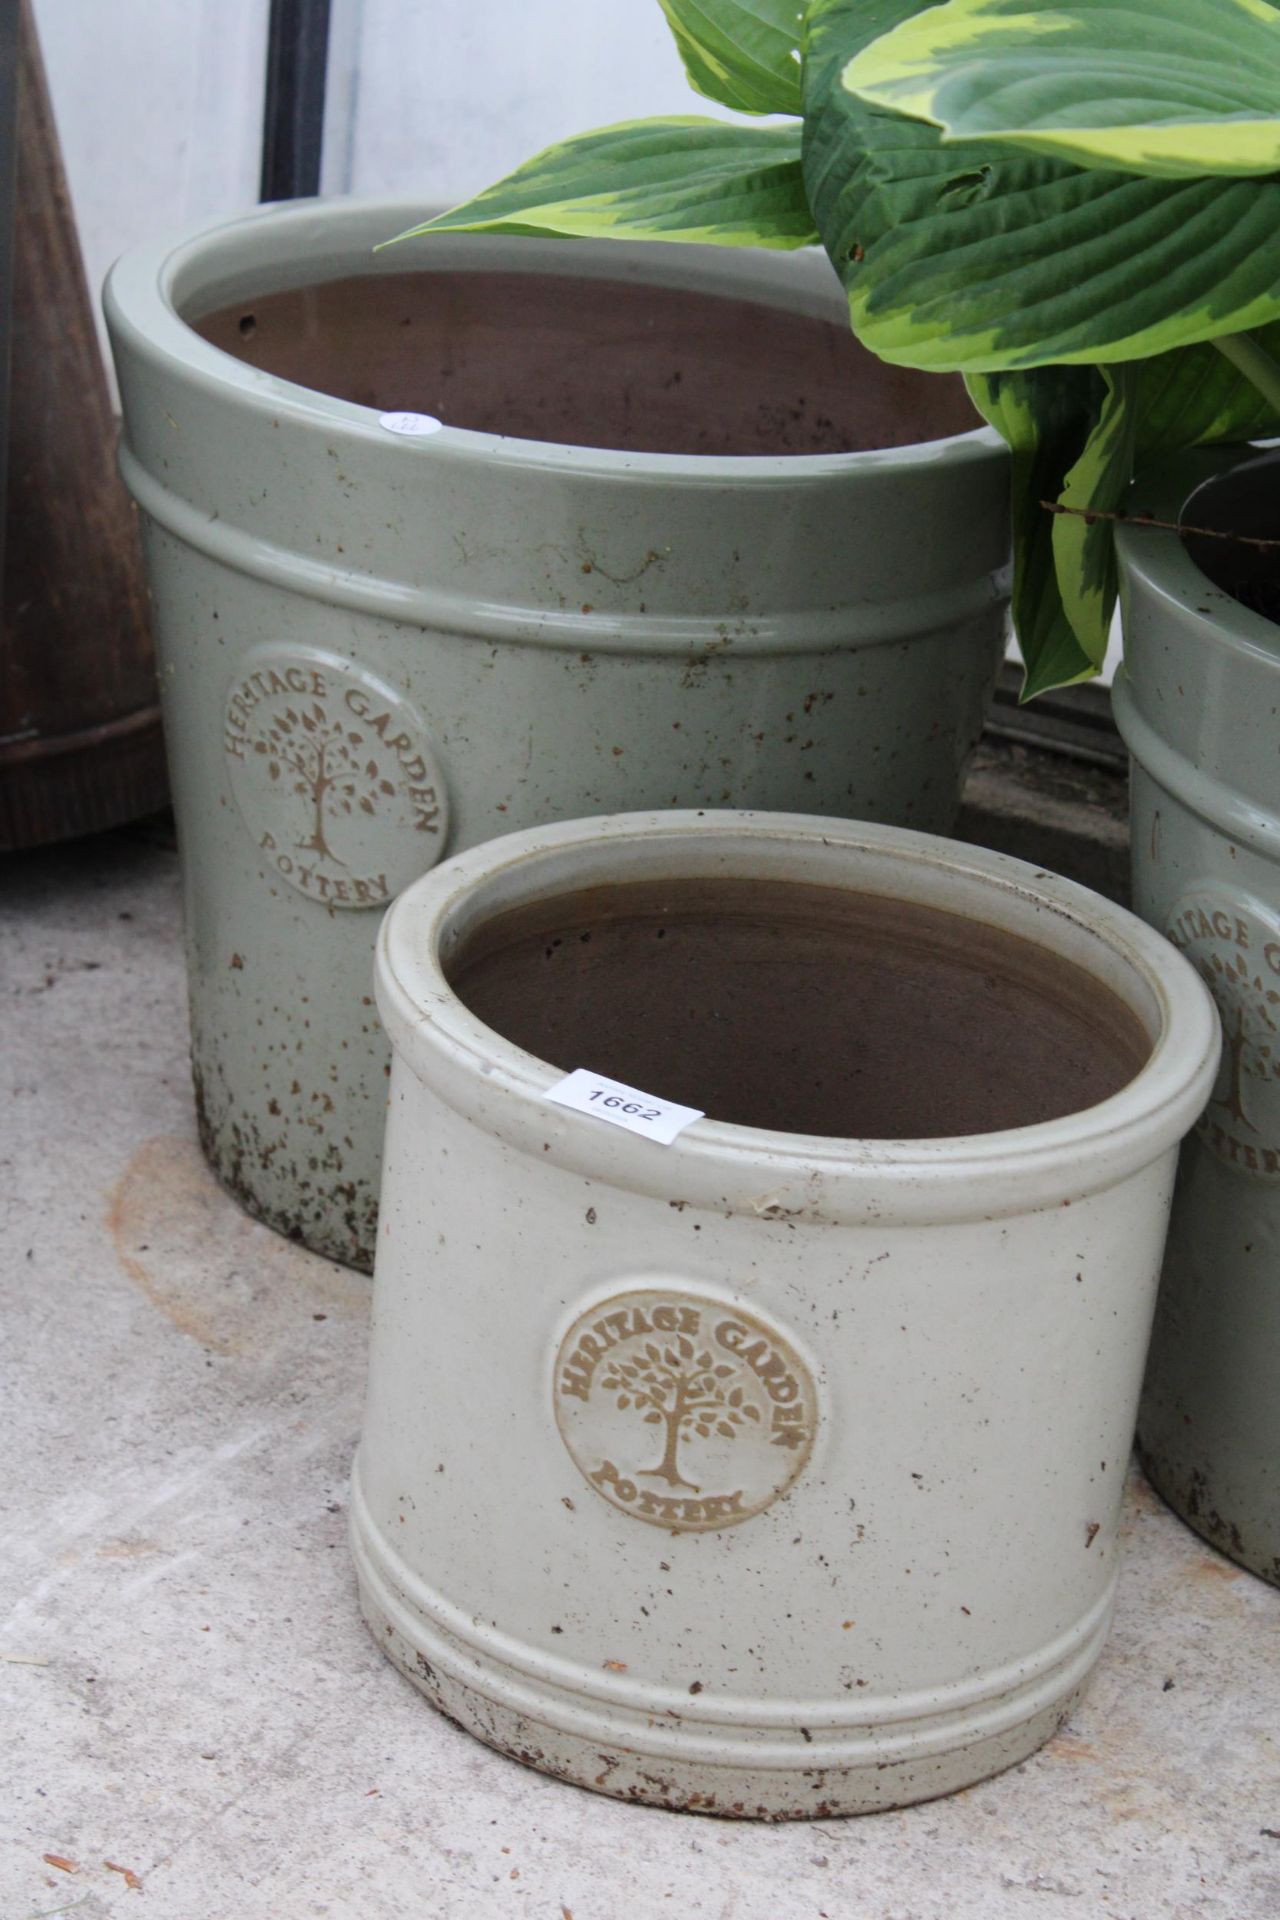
point(550, 630)
point(904, 1581)
point(1198, 703)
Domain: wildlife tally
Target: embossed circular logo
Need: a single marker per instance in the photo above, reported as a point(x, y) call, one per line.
point(1234, 945)
point(334, 776)
point(681, 1411)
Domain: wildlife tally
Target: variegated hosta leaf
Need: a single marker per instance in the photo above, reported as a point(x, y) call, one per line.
point(673, 179)
point(1195, 396)
point(1189, 87)
point(975, 257)
point(1084, 548)
point(1074, 433)
point(1047, 416)
point(743, 53)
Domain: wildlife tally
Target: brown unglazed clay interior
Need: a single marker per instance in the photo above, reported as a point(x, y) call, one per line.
point(802, 1009)
point(591, 363)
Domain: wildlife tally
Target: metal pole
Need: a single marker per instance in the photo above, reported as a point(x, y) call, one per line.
point(293, 115)
point(8, 161)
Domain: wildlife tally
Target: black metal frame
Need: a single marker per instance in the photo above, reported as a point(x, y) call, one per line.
point(9, 41)
point(293, 111)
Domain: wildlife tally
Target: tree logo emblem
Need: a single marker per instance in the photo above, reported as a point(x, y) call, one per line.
point(334, 775)
point(1234, 945)
point(684, 1412)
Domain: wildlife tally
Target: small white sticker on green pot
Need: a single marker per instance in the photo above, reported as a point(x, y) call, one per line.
point(334, 775)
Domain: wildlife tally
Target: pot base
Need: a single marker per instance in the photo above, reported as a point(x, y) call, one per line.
point(1189, 1491)
point(700, 1765)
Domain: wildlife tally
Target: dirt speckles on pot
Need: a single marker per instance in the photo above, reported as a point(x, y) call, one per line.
point(610, 603)
point(875, 1104)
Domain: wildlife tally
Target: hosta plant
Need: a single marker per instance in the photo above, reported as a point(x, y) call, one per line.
point(1075, 207)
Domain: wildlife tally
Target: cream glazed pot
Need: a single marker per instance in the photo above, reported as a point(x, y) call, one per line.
point(775, 1471)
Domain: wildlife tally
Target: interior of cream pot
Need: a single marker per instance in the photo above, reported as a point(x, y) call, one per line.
point(800, 1008)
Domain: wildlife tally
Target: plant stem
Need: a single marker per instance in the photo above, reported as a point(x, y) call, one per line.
point(1254, 362)
point(1090, 514)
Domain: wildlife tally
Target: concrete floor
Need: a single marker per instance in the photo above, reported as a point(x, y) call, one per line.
point(197, 1724)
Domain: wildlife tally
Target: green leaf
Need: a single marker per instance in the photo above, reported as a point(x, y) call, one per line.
point(975, 256)
point(1073, 432)
point(1047, 417)
point(1101, 83)
point(972, 256)
point(676, 179)
point(1196, 397)
point(743, 53)
point(1084, 549)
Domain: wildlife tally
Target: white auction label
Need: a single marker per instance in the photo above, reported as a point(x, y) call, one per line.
point(410, 423)
point(623, 1106)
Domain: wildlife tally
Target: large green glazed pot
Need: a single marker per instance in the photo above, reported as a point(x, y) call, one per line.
point(678, 542)
point(1198, 702)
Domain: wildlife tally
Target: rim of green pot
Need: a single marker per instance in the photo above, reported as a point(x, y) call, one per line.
point(148, 288)
point(1167, 489)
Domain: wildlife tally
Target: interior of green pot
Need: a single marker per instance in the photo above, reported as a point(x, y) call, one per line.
point(1244, 505)
point(803, 1009)
point(591, 363)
